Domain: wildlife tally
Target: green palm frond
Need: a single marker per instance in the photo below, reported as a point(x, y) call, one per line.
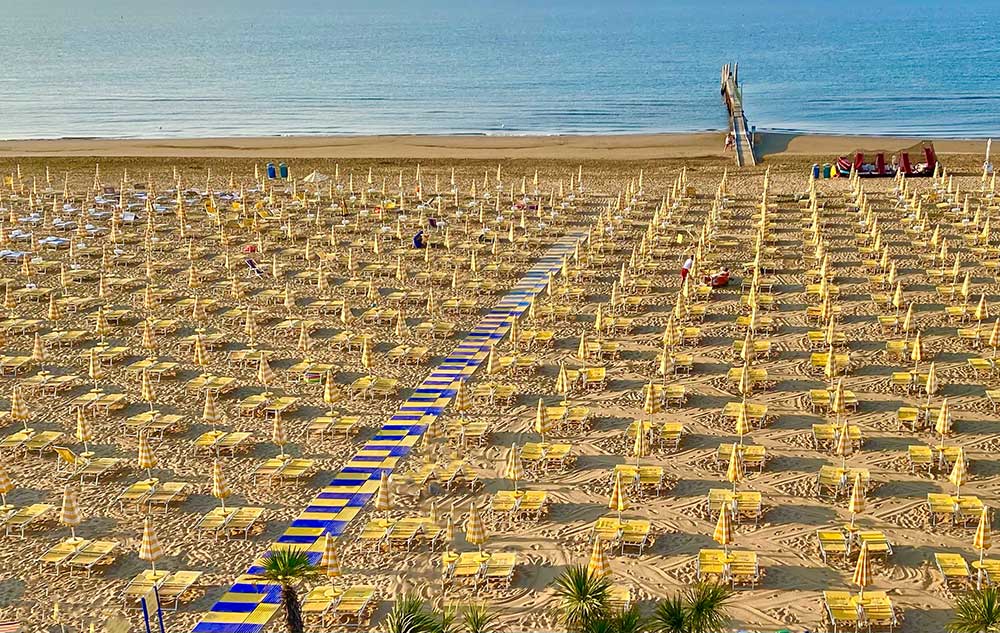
point(977, 611)
point(670, 616)
point(478, 618)
point(706, 607)
point(287, 565)
point(583, 596)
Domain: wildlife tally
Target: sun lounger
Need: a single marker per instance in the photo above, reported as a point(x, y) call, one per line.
point(841, 610)
point(62, 551)
point(743, 568)
point(42, 442)
point(320, 601)
point(215, 520)
point(877, 612)
point(136, 493)
point(140, 586)
point(243, 520)
point(176, 585)
point(831, 543)
point(25, 517)
point(500, 569)
point(954, 569)
point(167, 493)
point(711, 564)
point(95, 554)
point(355, 605)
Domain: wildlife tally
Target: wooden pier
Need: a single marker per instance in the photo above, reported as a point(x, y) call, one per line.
point(738, 126)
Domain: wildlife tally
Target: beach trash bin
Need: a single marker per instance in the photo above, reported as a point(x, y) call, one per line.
point(271, 173)
point(826, 170)
point(816, 171)
point(283, 171)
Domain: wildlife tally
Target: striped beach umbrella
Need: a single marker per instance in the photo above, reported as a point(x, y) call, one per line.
point(211, 414)
point(19, 407)
point(856, 504)
point(723, 534)
point(148, 393)
point(743, 420)
point(665, 359)
point(330, 562)
point(931, 387)
point(837, 402)
point(94, 368)
point(264, 373)
point(959, 472)
point(515, 332)
point(640, 447)
point(562, 382)
point(542, 423)
point(150, 549)
point(101, 327)
point(981, 313)
point(843, 446)
point(198, 313)
point(475, 530)
point(250, 326)
point(513, 469)
point(54, 313)
point(200, 353)
point(619, 500)
point(651, 405)
point(917, 353)
point(982, 540)
point(863, 569)
point(994, 340)
point(908, 321)
point(432, 513)
point(943, 424)
point(84, 432)
point(6, 485)
point(367, 357)
point(670, 338)
point(330, 392)
point(745, 385)
point(69, 515)
point(148, 340)
point(449, 533)
point(220, 487)
point(8, 298)
point(734, 472)
point(581, 350)
point(278, 434)
point(304, 342)
point(383, 501)
point(598, 566)
point(599, 320)
point(462, 402)
point(491, 366)
point(147, 459)
point(38, 349)
point(400, 328)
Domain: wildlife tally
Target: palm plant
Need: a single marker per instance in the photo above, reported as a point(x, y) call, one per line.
point(698, 609)
point(977, 611)
point(409, 616)
point(625, 621)
point(287, 567)
point(584, 596)
point(670, 616)
point(478, 618)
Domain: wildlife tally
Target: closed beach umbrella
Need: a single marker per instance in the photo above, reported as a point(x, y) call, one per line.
point(70, 513)
point(618, 501)
point(917, 353)
point(264, 373)
point(449, 533)
point(330, 393)
point(542, 423)
point(994, 340)
point(101, 327)
point(220, 487)
point(743, 420)
point(908, 321)
point(599, 320)
point(198, 313)
point(475, 530)
point(513, 469)
point(837, 402)
point(640, 447)
point(983, 539)
point(150, 549)
point(6, 485)
point(53, 312)
point(959, 472)
point(148, 394)
point(745, 385)
point(19, 407)
point(723, 534)
point(491, 361)
point(942, 425)
point(304, 341)
point(931, 386)
point(94, 368)
point(598, 566)
point(250, 326)
point(147, 459)
point(843, 447)
point(38, 349)
point(830, 369)
point(462, 402)
point(330, 562)
point(278, 434)
point(148, 341)
point(734, 472)
point(200, 353)
point(650, 404)
point(856, 504)
point(210, 414)
point(367, 358)
point(581, 350)
point(84, 433)
point(383, 502)
point(863, 569)
point(981, 313)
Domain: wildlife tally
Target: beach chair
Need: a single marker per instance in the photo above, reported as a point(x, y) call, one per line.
point(920, 458)
point(253, 270)
point(841, 610)
point(503, 505)
point(831, 543)
point(376, 532)
point(167, 493)
point(405, 533)
point(61, 552)
point(355, 605)
point(232, 441)
point(26, 517)
point(711, 564)
point(744, 569)
point(269, 469)
point(749, 506)
point(635, 533)
point(533, 503)
point(877, 612)
point(467, 568)
point(95, 554)
point(243, 520)
point(320, 601)
point(954, 569)
point(41, 442)
point(968, 509)
point(140, 586)
point(499, 569)
point(175, 586)
point(878, 544)
point(296, 470)
point(942, 507)
point(136, 493)
point(215, 520)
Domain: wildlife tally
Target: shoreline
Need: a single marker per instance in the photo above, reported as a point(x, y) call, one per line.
point(617, 147)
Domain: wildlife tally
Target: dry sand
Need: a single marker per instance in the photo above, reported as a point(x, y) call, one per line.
point(789, 594)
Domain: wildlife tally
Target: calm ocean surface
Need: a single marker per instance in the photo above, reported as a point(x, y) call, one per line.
point(117, 68)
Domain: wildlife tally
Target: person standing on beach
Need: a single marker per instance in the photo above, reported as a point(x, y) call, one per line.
point(686, 268)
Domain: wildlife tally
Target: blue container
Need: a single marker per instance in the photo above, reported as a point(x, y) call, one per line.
point(271, 174)
point(826, 170)
point(283, 171)
point(816, 171)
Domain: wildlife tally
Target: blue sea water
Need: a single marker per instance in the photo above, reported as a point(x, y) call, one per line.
point(172, 68)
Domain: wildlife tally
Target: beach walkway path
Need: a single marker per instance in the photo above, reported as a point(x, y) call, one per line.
point(249, 605)
point(738, 126)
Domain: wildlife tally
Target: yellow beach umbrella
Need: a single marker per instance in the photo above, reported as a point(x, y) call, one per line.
point(101, 327)
point(475, 530)
point(38, 349)
point(84, 432)
point(330, 562)
point(200, 352)
point(982, 540)
point(147, 459)
point(6, 485)
point(265, 375)
point(931, 386)
point(917, 353)
point(743, 420)
point(19, 407)
point(150, 549)
point(618, 501)
point(148, 341)
point(54, 314)
point(863, 569)
point(367, 358)
point(513, 469)
point(220, 488)
point(542, 423)
point(148, 393)
point(210, 413)
point(69, 515)
point(562, 382)
point(959, 472)
point(383, 500)
point(581, 350)
point(723, 534)
point(994, 340)
point(856, 504)
point(982, 312)
point(640, 446)
point(734, 472)
point(278, 434)
point(331, 395)
point(598, 566)
point(843, 447)
point(651, 405)
point(462, 401)
point(943, 423)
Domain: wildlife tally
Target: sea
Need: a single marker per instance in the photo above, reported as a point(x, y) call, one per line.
point(209, 68)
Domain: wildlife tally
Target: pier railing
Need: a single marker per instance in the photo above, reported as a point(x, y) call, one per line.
point(732, 95)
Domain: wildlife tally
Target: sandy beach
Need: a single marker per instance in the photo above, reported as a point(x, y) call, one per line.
point(642, 202)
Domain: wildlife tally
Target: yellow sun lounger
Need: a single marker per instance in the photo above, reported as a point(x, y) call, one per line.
point(62, 551)
point(95, 554)
point(25, 517)
point(499, 569)
point(831, 543)
point(176, 585)
point(954, 568)
point(355, 605)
